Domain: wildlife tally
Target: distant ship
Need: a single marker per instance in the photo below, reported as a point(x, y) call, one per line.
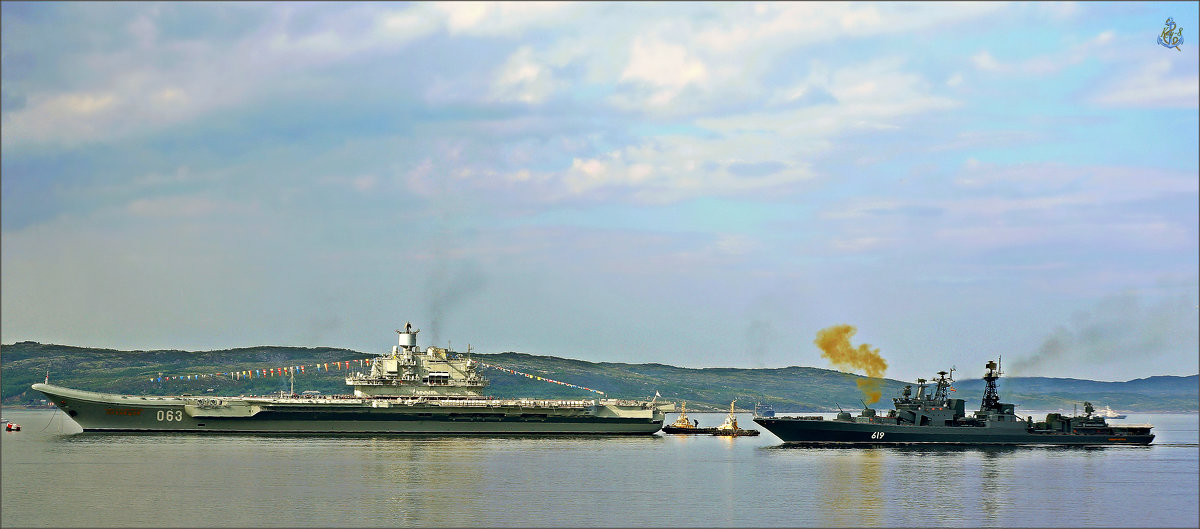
point(406, 392)
point(936, 418)
point(1108, 413)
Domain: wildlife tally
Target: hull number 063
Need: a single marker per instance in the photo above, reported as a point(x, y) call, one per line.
point(170, 415)
point(874, 435)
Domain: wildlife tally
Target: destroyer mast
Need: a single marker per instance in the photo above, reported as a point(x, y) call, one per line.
point(991, 397)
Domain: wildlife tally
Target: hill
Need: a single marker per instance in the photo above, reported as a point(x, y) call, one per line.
point(788, 389)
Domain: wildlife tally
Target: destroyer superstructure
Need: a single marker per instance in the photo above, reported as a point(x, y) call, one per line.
point(937, 418)
point(435, 391)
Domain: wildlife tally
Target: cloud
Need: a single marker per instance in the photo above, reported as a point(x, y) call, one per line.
point(734, 153)
point(1058, 10)
point(869, 96)
point(667, 68)
point(499, 18)
point(151, 265)
point(1076, 184)
point(174, 207)
point(984, 61)
point(747, 26)
point(607, 158)
point(293, 43)
point(735, 244)
point(974, 139)
point(1030, 204)
point(66, 114)
point(752, 169)
point(1134, 75)
point(862, 244)
point(171, 79)
point(525, 79)
point(1160, 83)
point(1050, 63)
point(737, 55)
point(1024, 206)
point(665, 171)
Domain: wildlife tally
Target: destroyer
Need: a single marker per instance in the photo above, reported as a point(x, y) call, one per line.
point(405, 392)
point(936, 418)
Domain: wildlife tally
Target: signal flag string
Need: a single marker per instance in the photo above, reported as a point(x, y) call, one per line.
point(245, 374)
point(527, 375)
point(248, 374)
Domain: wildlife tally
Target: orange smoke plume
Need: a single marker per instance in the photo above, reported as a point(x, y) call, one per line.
point(835, 345)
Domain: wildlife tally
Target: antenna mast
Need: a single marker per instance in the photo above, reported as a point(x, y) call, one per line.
point(991, 398)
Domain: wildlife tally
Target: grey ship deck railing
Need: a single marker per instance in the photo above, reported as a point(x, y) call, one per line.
point(480, 402)
point(433, 400)
point(370, 382)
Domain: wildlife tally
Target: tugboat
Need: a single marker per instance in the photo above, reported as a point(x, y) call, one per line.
point(683, 425)
point(730, 427)
point(936, 418)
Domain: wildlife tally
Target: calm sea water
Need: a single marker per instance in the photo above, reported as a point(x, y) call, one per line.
point(55, 476)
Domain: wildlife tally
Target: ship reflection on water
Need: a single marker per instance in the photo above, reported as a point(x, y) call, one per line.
point(852, 479)
point(883, 486)
point(890, 485)
point(585, 481)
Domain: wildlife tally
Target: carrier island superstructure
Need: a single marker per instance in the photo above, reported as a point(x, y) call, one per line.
point(409, 391)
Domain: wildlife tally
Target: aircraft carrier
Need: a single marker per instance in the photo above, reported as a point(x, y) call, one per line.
point(409, 391)
point(937, 418)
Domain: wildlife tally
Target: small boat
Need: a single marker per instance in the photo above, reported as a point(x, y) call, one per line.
point(12, 427)
point(684, 425)
point(730, 427)
point(1108, 413)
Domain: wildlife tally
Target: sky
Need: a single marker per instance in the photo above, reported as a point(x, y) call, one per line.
point(693, 184)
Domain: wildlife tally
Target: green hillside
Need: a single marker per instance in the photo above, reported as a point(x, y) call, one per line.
point(789, 389)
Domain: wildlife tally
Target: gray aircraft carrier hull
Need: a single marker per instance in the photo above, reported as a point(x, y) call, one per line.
point(104, 412)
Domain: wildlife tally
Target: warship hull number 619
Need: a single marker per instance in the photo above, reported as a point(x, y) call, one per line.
point(936, 418)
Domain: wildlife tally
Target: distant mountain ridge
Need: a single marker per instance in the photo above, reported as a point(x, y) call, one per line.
point(788, 389)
